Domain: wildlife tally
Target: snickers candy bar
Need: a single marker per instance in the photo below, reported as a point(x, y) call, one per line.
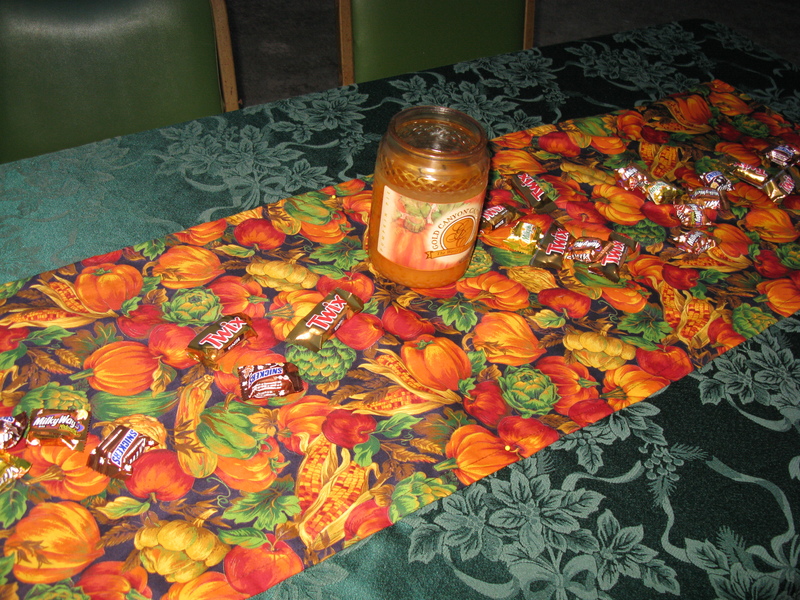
point(12, 468)
point(49, 427)
point(115, 455)
point(552, 248)
point(12, 430)
point(219, 337)
point(716, 181)
point(313, 330)
point(270, 380)
point(537, 193)
point(783, 155)
point(694, 241)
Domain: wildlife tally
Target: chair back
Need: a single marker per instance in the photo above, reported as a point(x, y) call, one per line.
point(382, 38)
point(78, 71)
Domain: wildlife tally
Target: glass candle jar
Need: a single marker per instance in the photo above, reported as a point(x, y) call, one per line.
point(430, 181)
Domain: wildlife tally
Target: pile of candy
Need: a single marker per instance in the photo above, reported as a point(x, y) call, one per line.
point(117, 452)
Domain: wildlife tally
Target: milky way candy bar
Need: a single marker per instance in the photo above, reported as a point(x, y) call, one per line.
point(11, 468)
point(219, 337)
point(708, 198)
point(691, 216)
point(313, 330)
point(694, 241)
point(12, 430)
point(115, 455)
point(270, 380)
point(632, 178)
point(52, 427)
point(662, 192)
point(533, 191)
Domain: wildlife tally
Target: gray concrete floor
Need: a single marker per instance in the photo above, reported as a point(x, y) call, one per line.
point(285, 48)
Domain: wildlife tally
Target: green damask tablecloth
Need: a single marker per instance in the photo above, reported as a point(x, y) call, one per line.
point(619, 509)
point(65, 206)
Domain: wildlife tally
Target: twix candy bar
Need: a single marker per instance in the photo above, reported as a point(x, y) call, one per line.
point(533, 191)
point(219, 337)
point(313, 330)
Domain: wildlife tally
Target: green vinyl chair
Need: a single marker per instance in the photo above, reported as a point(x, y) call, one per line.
point(79, 71)
point(383, 38)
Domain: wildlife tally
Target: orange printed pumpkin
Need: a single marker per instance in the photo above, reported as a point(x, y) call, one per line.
point(55, 540)
point(495, 290)
point(629, 299)
point(437, 363)
point(107, 286)
point(62, 471)
point(473, 452)
point(239, 296)
point(513, 161)
point(254, 474)
point(109, 580)
point(211, 585)
point(120, 368)
point(526, 435)
point(618, 205)
point(187, 267)
point(302, 419)
point(630, 384)
point(771, 224)
point(328, 233)
point(783, 295)
point(506, 339)
point(204, 233)
point(573, 380)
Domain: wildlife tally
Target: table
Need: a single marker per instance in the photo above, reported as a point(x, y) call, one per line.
point(600, 455)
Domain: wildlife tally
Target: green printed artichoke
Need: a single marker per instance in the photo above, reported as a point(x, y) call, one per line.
point(63, 590)
point(53, 396)
point(528, 390)
point(414, 492)
point(645, 232)
point(192, 306)
point(330, 364)
point(751, 320)
point(789, 255)
point(229, 431)
point(480, 264)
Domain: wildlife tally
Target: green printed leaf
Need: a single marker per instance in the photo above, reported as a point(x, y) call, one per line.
point(234, 250)
point(6, 564)
point(459, 313)
point(13, 503)
point(42, 337)
point(364, 452)
point(123, 507)
point(151, 249)
point(266, 509)
point(396, 425)
point(9, 357)
point(329, 270)
point(247, 537)
point(345, 254)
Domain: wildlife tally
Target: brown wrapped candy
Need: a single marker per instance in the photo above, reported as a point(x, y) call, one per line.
point(12, 430)
point(662, 192)
point(115, 455)
point(783, 155)
point(313, 330)
point(708, 198)
point(612, 260)
point(587, 249)
point(497, 216)
point(12, 468)
point(716, 180)
point(632, 178)
point(270, 380)
point(694, 241)
point(748, 173)
point(533, 192)
point(219, 337)
point(691, 216)
point(552, 248)
point(524, 237)
point(50, 427)
point(778, 187)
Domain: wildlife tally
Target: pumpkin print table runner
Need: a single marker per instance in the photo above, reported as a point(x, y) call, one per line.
point(422, 393)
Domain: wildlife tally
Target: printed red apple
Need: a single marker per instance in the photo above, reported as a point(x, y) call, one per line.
point(347, 429)
point(253, 570)
point(669, 362)
point(158, 472)
point(486, 403)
